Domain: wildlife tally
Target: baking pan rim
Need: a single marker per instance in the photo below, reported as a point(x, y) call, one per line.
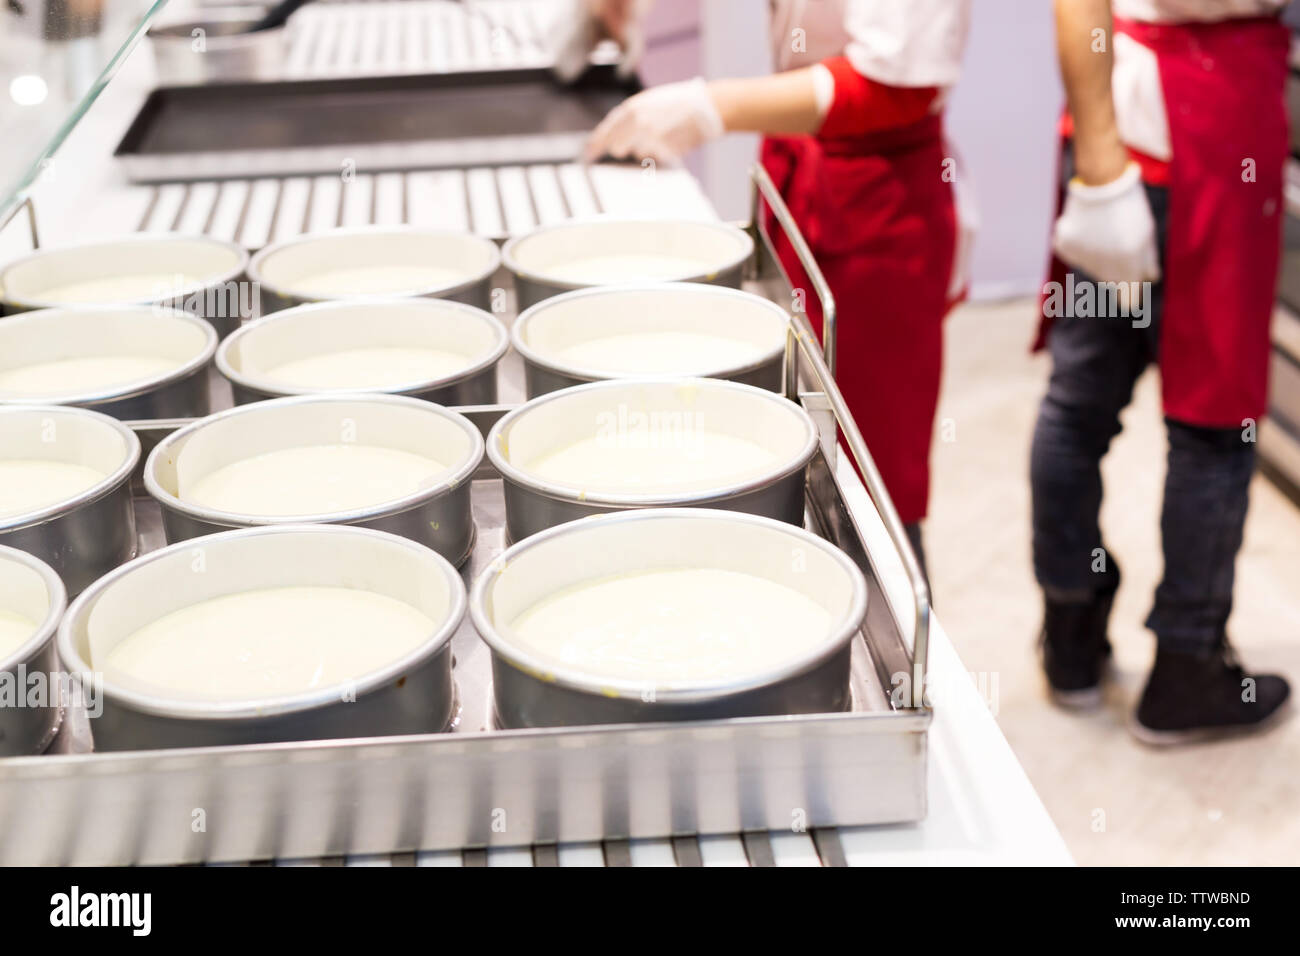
point(462, 473)
point(243, 380)
point(258, 260)
point(105, 486)
point(47, 630)
point(269, 707)
point(509, 260)
point(572, 494)
point(842, 631)
point(180, 292)
point(550, 364)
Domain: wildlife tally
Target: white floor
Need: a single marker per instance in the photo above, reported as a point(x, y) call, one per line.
point(1114, 800)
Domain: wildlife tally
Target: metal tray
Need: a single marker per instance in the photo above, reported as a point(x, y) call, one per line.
point(478, 786)
point(377, 122)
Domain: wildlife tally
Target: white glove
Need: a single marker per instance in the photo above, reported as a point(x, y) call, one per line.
point(579, 25)
point(1108, 231)
point(663, 123)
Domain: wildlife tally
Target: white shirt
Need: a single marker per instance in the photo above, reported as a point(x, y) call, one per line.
point(898, 42)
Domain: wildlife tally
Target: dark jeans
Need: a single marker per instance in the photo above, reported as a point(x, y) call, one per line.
point(1095, 362)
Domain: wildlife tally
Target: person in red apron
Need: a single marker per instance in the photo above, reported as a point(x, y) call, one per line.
point(1171, 215)
point(854, 140)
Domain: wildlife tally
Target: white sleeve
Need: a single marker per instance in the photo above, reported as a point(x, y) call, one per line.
point(907, 42)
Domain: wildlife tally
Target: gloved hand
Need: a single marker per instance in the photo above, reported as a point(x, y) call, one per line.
point(1108, 230)
point(663, 123)
point(579, 25)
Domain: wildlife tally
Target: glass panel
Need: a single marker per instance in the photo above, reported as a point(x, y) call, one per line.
point(55, 58)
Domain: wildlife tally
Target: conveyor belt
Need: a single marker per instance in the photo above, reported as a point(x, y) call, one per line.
point(491, 201)
point(416, 36)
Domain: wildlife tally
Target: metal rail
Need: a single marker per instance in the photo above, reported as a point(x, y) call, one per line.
point(801, 340)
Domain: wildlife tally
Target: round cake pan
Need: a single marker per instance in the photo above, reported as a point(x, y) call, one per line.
point(532, 690)
point(247, 357)
point(649, 413)
point(693, 250)
point(196, 274)
point(411, 695)
point(92, 533)
point(281, 268)
point(51, 335)
point(546, 335)
point(438, 516)
point(228, 52)
point(30, 717)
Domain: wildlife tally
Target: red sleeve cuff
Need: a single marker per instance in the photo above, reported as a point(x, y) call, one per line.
point(862, 105)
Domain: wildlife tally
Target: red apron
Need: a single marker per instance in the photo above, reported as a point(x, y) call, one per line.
point(1224, 89)
point(880, 220)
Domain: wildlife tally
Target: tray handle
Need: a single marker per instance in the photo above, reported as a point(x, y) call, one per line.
point(799, 340)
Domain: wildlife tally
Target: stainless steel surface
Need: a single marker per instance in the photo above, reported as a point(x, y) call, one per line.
point(732, 248)
point(411, 695)
point(219, 296)
point(588, 314)
point(766, 195)
point(437, 516)
point(54, 334)
point(91, 534)
point(309, 330)
point(215, 47)
point(361, 246)
point(30, 588)
point(531, 690)
point(555, 420)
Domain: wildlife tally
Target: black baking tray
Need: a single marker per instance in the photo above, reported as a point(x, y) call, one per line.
point(302, 119)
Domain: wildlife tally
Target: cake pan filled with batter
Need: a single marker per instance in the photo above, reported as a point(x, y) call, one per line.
point(440, 351)
point(131, 362)
point(302, 632)
point(199, 274)
point(611, 446)
point(32, 601)
point(677, 614)
point(65, 494)
point(686, 329)
point(387, 462)
point(370, 261)
point(596, 252)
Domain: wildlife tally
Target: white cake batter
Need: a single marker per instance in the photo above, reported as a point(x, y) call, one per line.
point(268, 642)
point(109, 290)
point(666, 353)
point(30, 484)
point(314, 480)
point(76, 375)
point(374, 280)
point(606, 269)
point(687, 625)
point(14, 630)
point(367, 368)
point(654, 461)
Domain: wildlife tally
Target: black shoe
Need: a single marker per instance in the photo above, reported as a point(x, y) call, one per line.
point(1194, 697)
point(1076, 652)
